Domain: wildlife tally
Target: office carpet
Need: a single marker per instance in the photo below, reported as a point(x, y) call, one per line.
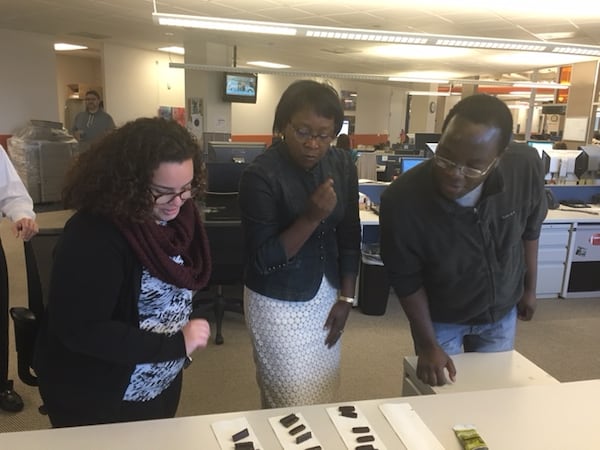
point(563, 339)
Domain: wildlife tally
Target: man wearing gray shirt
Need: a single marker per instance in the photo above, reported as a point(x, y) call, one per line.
point(93, 123)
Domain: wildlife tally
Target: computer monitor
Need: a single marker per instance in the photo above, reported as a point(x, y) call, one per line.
point(345, 127)
point(540, 146)
point(224, 177)
point(564, 164)
point(221, 200)
point(382, 158)
point(431, 146)
point(593, 152)
point(408, 163)
point(421, 140)
point(392, 170)
point(237, 152)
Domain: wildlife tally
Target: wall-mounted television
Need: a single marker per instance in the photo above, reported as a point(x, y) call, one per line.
point(240, 87)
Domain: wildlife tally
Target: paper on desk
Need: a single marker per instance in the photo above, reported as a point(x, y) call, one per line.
point(344, 427)
point(224, 429)
point(289, 442)
point(409, 427)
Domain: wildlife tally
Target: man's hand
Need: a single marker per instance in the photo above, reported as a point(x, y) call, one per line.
point(431, 364)
point(25, 228)
point(526, 306)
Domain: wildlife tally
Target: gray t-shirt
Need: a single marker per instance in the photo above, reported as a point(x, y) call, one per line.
point(92, 125)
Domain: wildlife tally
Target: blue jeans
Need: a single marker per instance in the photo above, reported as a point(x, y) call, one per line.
point(490, 337)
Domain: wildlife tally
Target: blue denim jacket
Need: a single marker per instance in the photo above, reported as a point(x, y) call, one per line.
point(273, 193)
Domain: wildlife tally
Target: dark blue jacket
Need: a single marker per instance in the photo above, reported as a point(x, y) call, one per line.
point(273, 193)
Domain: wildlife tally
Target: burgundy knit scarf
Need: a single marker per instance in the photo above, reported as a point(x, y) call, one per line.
point(154, 244)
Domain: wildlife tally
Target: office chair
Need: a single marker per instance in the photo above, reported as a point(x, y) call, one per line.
point(226, 248)
point(38, 266)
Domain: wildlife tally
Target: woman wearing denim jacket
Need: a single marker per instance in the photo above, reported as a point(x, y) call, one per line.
point(299, 203)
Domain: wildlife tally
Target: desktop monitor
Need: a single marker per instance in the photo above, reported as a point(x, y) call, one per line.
point(392, 170)
point(408, 163)
point(421, 140)
point(345, 127)
point(593, 152)
point(221, 199)
point(564, 163)
point(237, 152)
point(540, 146)
point(431, 146)
point(224, 177)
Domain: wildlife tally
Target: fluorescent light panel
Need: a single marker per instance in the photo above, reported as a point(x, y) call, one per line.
point(64, 47)
point(430, 93)
point(173, 49)
point(352, 34)
point(213, 23)
point(268, 64)
point(419, 80)
point(541, 84)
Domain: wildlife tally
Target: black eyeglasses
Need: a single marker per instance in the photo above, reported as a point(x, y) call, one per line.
point(469, 172)
point(304, 135)
point(163, 199)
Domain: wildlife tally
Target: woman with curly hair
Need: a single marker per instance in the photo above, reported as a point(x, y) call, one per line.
point(117, 330)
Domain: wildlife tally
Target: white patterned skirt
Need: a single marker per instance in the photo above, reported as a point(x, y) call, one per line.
point(293, 365)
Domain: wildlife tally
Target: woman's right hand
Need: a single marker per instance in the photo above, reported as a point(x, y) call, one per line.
point(196, 334)
point(321, 202)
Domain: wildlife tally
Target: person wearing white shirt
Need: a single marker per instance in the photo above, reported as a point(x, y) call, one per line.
point(17, 205)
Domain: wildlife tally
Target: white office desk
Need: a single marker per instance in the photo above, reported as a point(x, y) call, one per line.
point(549, 417)
point(479, 371)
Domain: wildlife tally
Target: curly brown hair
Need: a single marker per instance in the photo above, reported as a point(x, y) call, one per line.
point(113, 177)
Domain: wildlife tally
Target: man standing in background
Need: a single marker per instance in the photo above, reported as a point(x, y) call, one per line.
point(94, 122)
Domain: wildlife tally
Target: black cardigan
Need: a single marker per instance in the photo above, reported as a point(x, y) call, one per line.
point(90, 339)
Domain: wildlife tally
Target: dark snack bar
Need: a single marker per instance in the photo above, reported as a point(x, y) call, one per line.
point(364, 447)
point(351, 414)
point(360, 429)
point(367, 438)
point(316, 447)
point(303, 437)
point(240, 435)
point(289, 420)
point(297, 429)
point(249, 445)
point(346, 408)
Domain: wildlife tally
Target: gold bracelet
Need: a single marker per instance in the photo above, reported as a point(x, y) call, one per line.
point(343, 298)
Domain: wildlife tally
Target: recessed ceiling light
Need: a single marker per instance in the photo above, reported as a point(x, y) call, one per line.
point(270, 65)
point(173, 49)
point(63, 47)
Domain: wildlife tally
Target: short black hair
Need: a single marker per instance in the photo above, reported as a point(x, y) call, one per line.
point(321, 98)
point(484, 109)
point(94, 93)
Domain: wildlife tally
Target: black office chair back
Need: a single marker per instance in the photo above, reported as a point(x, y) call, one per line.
point(227, 253)
point(38, 267)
